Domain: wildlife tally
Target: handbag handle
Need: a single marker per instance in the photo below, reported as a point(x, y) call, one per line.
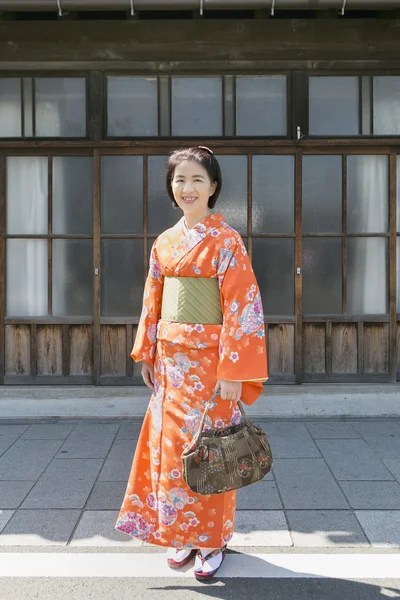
point(202, 422)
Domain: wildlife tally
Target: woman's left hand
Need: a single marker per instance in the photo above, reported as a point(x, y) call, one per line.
point(229, 390)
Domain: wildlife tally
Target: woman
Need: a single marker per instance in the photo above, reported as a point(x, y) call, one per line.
point(201, 330)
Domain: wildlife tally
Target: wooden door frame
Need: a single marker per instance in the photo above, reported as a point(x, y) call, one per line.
point(391, 151)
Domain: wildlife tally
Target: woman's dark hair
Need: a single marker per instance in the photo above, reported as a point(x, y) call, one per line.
point(202, 155)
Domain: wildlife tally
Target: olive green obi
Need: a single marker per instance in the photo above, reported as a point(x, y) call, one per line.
point(191, 300)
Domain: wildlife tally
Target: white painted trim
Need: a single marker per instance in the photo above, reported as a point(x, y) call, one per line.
point(140, 565)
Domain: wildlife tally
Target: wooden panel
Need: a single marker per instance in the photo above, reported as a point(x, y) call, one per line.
point(344, 348)
point(376, 348)
point(314, 347)
point(280, 349)
point(18, 350)
point(49, 350)
point(271, 40)
point(113, 350)
point(398, 350)
point(80, 350)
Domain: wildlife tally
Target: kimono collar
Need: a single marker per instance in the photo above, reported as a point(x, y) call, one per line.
point(191, 239)
point(209, 223)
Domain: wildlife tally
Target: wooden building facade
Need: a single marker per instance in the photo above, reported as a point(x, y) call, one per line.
point(303, 111)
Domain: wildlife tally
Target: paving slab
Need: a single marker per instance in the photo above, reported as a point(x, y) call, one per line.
point(325, 528)
point(96, 528)
point(393, 464)
point(290, 440)
point(118, 464)
point(12, 493)
point(39, 528)
point(27, 459)
point(107, 495)
point(129, 431)
point(382, 527)
point(89, 441)
point(5, 516)
point(332, 430)
point(260, 496)
point(260, 528)
point(353, 460)
point(9, 434)
point(382, 438)
point(48, 431)
point(64, 484)
point(372, 494)
point(307, 483)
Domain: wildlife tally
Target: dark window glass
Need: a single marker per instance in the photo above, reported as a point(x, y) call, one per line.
point(197, 106)
point(132, 106)
point(322, 194)
point(121, 278)
point(333, 106)
point(261, 105)
point(122, 194)
point(60, 104)
point(273, 263)
point(273, 194)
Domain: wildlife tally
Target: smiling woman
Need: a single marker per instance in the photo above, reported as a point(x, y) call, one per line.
point(189, 350)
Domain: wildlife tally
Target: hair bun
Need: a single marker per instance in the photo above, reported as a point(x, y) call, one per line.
point(206, 149)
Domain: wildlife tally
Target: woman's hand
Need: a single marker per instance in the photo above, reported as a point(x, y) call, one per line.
point(229, 390)
point(148, 374)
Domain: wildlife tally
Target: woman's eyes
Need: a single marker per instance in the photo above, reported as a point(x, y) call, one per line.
point(181, 180)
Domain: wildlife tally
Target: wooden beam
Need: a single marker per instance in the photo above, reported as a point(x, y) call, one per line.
point(67, 43)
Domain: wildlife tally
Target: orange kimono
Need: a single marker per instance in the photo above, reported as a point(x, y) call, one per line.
point(158, 506)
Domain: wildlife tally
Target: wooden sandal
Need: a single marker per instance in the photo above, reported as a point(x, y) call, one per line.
point(202, 576)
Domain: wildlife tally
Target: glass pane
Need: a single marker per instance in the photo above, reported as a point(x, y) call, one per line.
point(72, 278)
point(196, 106)
point(26, 278)
point(160, 209)
point(26, 195)
point(122, 194)
point(132, 106)
point(333, 106)
point(398, 194)
point(60, 105)
point(367, 267)
point(367, 194)
point(232, 201)
point(386, 105)
point(322, 194)
point(261, 105)
point(398, 275)
point(73, 194)
point(273, 194)
point(10, 107)
point(121, 278)
point(273, 261)
point(322, 276)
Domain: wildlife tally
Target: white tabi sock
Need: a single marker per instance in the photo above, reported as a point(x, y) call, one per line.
point(178, 555)
point(210, 564)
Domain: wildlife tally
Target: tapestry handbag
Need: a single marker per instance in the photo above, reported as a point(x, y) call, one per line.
point(220, 460)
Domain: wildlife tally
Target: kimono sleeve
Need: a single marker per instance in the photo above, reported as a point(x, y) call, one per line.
point(242, 344)
point(144, 347)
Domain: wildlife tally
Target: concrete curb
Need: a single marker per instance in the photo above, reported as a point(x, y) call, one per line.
point(313, 401)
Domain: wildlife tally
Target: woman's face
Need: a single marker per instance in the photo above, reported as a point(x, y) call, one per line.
point(192, 188)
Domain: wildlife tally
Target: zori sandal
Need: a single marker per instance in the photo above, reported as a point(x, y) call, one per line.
point(179, 558)
point(205, 567)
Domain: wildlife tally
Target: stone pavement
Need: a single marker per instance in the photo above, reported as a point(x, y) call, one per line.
point(335, 483)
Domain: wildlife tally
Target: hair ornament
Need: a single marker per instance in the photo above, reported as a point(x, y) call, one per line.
point(206, 149)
